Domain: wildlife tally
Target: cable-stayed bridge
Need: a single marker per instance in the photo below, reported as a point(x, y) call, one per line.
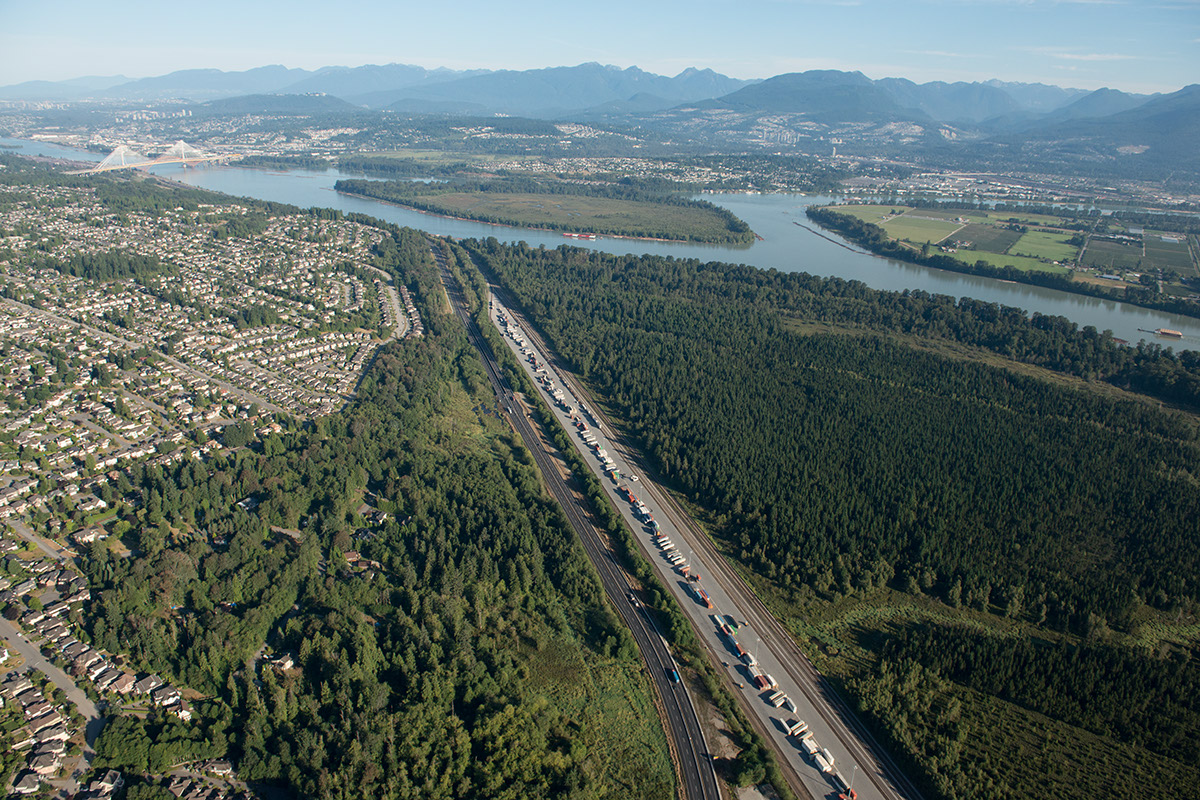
point(125, 158)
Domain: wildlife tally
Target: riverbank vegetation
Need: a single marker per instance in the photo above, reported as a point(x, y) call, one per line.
point(449, 637)
point(912, 489)
point(1081, 252)
point(616, 209)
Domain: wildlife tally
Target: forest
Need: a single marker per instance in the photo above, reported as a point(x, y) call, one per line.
point(849, 468)
point(450, 638)
point(628, 208)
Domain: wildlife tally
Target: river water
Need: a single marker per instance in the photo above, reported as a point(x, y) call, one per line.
point(785, 246)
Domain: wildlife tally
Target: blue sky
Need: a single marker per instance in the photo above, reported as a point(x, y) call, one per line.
point(1134, 45)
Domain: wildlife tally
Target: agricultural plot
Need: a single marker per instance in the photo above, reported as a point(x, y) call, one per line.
point(950, 215)
point(1003, 260)
point(1043, 244)
point(919, 231)
point(987, 237)
point(1169, 253)
point(1044, 220)
point(1110, 254)
point(869, 213)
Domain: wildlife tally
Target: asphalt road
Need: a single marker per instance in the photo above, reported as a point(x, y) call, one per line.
point(858, 757)
point(689, 751)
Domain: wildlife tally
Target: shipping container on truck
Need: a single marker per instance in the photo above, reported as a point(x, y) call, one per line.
point(748, 658)
point(707, 600)
point(760, 681)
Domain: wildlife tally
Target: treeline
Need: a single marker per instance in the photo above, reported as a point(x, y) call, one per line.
point(728, 228)
point(388, 167)
point(286, 162)
point(459, 647)
point(850, 462)
point(875, 239)
point(1132, 695)
point(110, 265)
point(1046, 341)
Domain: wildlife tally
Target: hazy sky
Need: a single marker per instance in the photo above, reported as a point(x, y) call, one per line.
point(1134, 45)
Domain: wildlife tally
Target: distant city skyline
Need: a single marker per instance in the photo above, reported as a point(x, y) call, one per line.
point(1130, 45)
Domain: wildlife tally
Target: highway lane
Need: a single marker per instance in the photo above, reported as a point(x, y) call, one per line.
point(689, 751)
point(858, 758)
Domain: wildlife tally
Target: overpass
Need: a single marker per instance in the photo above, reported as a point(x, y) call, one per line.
point(126, 158)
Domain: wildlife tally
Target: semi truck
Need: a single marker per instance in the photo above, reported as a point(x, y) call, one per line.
point(795, 727)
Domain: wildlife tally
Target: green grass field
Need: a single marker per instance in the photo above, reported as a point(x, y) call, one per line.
point(868, 213)
point(576, 213)
point(919, 231)
point(1002, 260)
point(1040, 244)
point(951, 215)
point(988, 237)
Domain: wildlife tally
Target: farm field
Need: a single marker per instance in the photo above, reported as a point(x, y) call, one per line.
point(868, 213)
point(1003, 260)
point(950, 215)
point(988, 237)
point(919, 231)
point(1042, 244)
point(1168, 253)
point(1109, 254)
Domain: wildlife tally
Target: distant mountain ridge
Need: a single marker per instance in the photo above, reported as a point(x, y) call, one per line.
point(594, 90)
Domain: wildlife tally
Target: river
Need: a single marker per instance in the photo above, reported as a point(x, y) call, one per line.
point(784, 246)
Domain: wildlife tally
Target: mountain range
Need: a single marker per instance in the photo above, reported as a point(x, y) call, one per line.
point(597, 91)
point(703, 105)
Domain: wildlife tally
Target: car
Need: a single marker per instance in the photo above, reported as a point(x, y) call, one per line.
point(633, 600)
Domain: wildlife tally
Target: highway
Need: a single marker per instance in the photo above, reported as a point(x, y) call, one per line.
point(858, 760)
point(693, 761)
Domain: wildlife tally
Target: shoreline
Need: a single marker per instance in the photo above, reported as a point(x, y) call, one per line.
point(1006, 274)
